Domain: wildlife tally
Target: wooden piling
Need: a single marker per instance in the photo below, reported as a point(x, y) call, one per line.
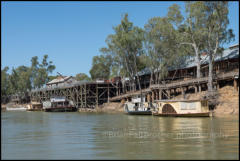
point(160, 94)
point(153, 95)
point(235, 84)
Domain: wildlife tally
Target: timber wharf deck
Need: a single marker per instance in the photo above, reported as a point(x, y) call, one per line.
point(92, 94)
point(158, 90)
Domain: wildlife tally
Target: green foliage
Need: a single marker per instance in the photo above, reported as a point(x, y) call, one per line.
point(22, 74)
point(217, 33)
point(39, 72)
point(161, 45)
point(4, 82)
point(100, 67)
point(125, 47)
point(82, 77)
point(174, 15)
point(23, 79)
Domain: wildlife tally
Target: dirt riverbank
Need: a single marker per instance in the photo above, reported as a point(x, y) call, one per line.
point(228, 103)
point(112, 107)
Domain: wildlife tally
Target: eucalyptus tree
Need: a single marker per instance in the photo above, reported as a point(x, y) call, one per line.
point(39, 72)
point(125, 46)
point(191, 31)
point(217, 33)
point(23, 79)
point(152, 47)
point(204, 28)
point(13, 82)
point(4, 81)
point(100, 67)
point(82, 77)
point(161, 46)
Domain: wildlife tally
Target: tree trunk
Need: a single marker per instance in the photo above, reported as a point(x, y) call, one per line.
point(151, 79)
point(198, 61)
point(123, 84)
point(210, 74)
point(198, 66)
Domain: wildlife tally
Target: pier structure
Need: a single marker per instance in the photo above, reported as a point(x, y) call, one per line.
point(83, 95)
point(174, 88)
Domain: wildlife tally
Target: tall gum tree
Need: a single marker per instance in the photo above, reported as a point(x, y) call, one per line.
point(217, 34)
point(161, 46)
point(192, 31)
point(125, 46)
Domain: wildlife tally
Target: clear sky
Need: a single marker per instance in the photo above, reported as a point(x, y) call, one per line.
point(71, 33)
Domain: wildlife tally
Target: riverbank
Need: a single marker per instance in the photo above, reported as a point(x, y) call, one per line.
point(112, 107)
point(228, 105)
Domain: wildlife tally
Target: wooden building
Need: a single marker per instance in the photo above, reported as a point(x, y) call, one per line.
point(183, 80)
point(228, 61)
point(61, 81)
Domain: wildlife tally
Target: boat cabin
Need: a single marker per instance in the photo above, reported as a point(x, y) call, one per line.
point(182, 108)
point(58, 104)
point(35, 106)
point(137, 105)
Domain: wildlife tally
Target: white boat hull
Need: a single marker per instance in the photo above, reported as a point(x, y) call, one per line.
point(16, 109)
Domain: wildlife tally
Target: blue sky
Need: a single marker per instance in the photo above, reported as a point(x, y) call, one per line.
point(71, 33)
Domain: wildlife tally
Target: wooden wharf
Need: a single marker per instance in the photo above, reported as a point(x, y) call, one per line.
point(92, 94)
point(160, 91)
point(83, 95)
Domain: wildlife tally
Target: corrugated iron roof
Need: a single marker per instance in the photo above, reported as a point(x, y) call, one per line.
point(59, 80)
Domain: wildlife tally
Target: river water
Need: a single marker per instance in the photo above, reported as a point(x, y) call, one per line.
point(74, 135)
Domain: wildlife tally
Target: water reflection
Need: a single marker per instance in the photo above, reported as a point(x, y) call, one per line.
point(40, 135)
point(149, 137)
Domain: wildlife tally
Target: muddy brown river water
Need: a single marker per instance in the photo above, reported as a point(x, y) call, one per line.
point(74, 135)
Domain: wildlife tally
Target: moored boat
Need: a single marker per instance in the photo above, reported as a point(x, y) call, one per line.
point(35, 106)
point(137, 107)
point(59, 104)
point(182, 108)
point(16, 108)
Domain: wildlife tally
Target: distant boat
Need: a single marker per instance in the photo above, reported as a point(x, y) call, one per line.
point(59, 104)
point(16, 108)
point(136, 107)
point(35, 106)
point(182, 108)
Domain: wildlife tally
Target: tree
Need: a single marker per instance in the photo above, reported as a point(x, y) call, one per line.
point(191, 31)
point(217, 33)
point(82, 77)
point(34, 70)
point(39, 72)
point(13, 82)
point(161, 47)
point(100, 67)
point(125, 46)
point(23, 79)
point(4, 82)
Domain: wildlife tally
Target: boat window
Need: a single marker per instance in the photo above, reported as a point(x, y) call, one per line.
point(188, 106)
